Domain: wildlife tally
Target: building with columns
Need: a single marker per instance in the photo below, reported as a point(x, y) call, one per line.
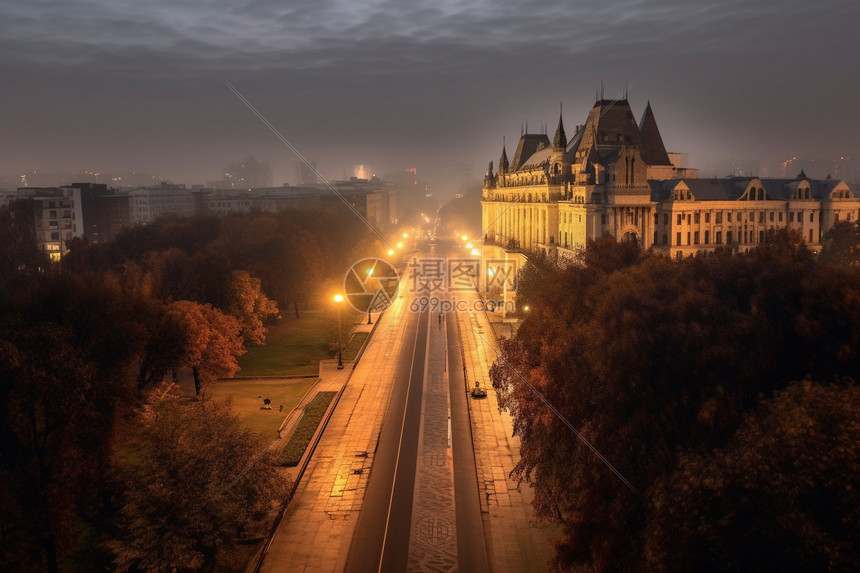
point(615, 177)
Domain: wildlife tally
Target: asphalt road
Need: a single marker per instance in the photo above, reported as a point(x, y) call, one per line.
point(381, 540)
point(393, 511)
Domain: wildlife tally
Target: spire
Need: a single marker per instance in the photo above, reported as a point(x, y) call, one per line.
point(559, 142)
point(653, 152)
point(503, 162)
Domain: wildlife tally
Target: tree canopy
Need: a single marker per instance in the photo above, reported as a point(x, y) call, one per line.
point(189, 488)
point(652, 360)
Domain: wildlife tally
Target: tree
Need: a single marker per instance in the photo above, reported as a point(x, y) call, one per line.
point(250, 306)
point(841, 244)
point(781, 496)
point(18, 251)
point(67, 344)
point(213, 340)
point(649, 359)
point(190, 488)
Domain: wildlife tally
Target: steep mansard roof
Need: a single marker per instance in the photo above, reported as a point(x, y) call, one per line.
point(609, 126)
point(732, 189)
point(528, 145)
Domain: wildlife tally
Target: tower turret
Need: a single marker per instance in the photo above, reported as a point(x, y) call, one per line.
point(503, 162)
point(559, 142)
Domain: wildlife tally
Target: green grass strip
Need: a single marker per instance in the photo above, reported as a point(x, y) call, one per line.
point(350, 351)
point(295, 448)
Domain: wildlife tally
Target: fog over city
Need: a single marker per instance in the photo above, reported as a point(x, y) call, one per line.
point(116, 85)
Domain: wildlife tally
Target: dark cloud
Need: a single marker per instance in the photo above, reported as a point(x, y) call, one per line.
point(427, 84)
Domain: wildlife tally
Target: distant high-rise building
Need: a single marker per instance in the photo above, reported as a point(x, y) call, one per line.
point(362, 171)
point(246, 174)
point(305, 175)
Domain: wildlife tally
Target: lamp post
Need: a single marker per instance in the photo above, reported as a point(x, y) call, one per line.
point(339, 299)
point(369, 274)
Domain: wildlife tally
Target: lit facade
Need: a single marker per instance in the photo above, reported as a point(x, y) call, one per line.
point(615, 177)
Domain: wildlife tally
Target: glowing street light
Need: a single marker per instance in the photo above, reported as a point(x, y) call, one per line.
point(390, 252)
point(399, 245)
point(339, 299)
point(475, 252)
point(465, 237)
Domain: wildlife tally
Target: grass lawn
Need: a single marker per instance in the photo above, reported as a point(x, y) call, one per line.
point(292, 453)
point(295, 346)
point(351, 349)
point(246, 404)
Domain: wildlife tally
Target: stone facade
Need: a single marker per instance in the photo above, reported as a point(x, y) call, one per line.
point(615, 177)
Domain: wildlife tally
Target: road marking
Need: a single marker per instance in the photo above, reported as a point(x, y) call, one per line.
point(400, 440)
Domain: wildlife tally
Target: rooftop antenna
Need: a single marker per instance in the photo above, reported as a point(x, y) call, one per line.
point(527, 127)
point(626, 87)
point(601, 89)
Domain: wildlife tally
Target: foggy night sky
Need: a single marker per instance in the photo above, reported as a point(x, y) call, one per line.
point(116, 85)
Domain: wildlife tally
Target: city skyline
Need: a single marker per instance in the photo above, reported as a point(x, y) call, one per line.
point(121, 87)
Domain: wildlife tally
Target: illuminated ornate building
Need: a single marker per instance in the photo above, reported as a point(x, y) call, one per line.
point(615, 177)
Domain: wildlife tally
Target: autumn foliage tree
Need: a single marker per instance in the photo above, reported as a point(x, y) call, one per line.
point(250, 305)
point(190, 486)
point(650, 360)
point(780, 496)
point(67, 347)
point(212, 340)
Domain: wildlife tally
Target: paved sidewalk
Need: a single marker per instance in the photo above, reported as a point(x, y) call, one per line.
point(317, 529)
point(514, 543)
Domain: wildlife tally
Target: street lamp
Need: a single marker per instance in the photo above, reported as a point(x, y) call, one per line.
point(339, 299)
point(369, 274)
